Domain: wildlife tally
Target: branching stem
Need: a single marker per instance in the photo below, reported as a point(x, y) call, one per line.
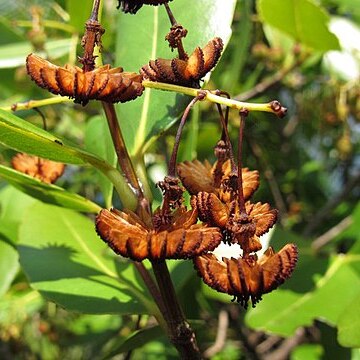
point(273, 107)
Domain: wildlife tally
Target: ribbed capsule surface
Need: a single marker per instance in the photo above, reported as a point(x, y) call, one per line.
point(129, 237)
point(185, 72)
point(104, 83)
point(197, 176)
point(248, 278)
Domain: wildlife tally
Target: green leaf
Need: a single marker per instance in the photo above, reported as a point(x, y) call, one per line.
point(13, 55)
point(307, 352)
point(283, 311)
point(69, 264)
point(303, 20)
point(48, 193)
point(79, 12)
point(8, 264)
point(21, 135)
point(143, 120)
point(25, 137)
point(13, 204)
point(349, 325)
point(136, 340)
point(98, 141)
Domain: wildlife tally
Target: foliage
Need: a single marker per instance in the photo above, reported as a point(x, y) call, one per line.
point(309, 166)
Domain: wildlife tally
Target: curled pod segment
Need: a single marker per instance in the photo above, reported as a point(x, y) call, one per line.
point(104, 83)
point(185, 72)
point(248, 278)
point(129, 237)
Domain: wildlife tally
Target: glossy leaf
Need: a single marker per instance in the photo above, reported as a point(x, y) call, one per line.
point(48, 193)
point(136, 340)
point(349, 325)
point(98, 141)
point(283, 311)
point(25, 137)
point(79, 12)
point(13, 55)
point(69, 264)
point(146, 118)
point(8, 263)
point(303, 20)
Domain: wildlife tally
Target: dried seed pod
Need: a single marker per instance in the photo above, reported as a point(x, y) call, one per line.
point(185, 72)
point(262, 214)
point(45, 170)
point(243, 228)
point(210, 209)
point(132, 6)
point(197, 176)
point(249, 277)
point(104, 83)
point(128, 236)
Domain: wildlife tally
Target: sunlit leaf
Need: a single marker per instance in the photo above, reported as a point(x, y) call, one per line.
point(98, 141)
point(8, 263)
point(303, 20)
point(349, 325)
point(22, 136)
point(69, 264)
point(48, 193)
point(283, 311)
point(13, 55)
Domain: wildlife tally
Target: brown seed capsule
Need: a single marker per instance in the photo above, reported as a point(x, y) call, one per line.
point(197, 176)
point(185, 72)
point(45, 170)
point(128, 236)
point(249, 277)
point(104, 83)
point(132, 6)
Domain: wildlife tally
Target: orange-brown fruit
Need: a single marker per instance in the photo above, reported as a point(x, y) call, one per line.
point(185, 72)
point(103, 83)
point(45, 170)
point(241, 227)
point(132, 6)
point(128, 236)
point(249, 277)
point(197, 176)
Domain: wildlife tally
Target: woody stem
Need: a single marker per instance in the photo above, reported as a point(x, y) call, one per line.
point(225, 133)
point(174, 23)
point(243, 114)
point(121, 151)
point(180, 333)
point(172, 162)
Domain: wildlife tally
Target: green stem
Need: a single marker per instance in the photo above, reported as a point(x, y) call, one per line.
point(49, 24)
point(36, 103)
point(272, 107)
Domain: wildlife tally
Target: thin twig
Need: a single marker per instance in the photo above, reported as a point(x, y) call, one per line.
point(272, 107)
point(332, 204)
point(223, 324)
point(121, 151)
point(269, 175)
point(284, 350)
point(332, 233)
point(267, 83)
point(172, 162)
